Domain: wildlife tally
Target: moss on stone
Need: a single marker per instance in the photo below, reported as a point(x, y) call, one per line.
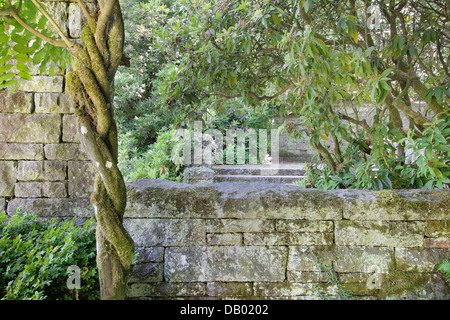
point(395, 201)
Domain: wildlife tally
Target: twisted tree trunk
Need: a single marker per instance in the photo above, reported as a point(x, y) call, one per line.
point(91, 89)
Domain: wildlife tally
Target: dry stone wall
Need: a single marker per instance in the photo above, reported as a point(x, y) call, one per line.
point(224, 240)
point(267, 241)
point(42, 166)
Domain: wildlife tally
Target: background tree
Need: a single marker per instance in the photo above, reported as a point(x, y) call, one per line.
point(309, 57)
point(26, 38)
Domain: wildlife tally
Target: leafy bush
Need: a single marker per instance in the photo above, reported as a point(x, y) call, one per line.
point(156, 163)
point(35, 255)
point(139, 112)
point(424, 164)
point(235, 117)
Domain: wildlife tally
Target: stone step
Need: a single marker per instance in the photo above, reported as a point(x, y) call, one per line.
point(257, 178)
point(259, 170)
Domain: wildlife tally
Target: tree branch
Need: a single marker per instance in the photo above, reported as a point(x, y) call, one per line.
point(361, 123)
point(254, 95)
point(15, 15)
point(91, 21)
point(106, 8)
point(53, 23)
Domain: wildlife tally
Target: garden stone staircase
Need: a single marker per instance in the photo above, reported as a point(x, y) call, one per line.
point(285, 173)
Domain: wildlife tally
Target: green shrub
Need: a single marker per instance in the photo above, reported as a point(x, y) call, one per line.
point(35, 255)
point(424, 165)
point(156, 163)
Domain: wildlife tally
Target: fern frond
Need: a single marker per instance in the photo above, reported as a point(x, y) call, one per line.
point(444, 266)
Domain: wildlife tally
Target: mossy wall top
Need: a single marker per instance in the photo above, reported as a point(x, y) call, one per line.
point(270, 241)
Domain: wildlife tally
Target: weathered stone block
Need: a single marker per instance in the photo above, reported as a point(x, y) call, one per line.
point(52, 103)
point(30, 170)
point(380, 233)
point(32, 128)
point(58, 12)
point(77, 20)
point(362, 259)
point(284, 289)
point(229, 289)
point(8, 176)
point(54, 190)
point(260, 200)
point(64, 151)
point(239, 225)
point(305, 276)
point(225, 263)
point(16, 102)
point(2, 204)
point(166, 290)
point(414, 286)
point(70, 131)
point(28, 190)
point(53, 207)
point(224, 239)
point(166, 232)
point(195, 175)
point(166, 199)
point(51, 170)
point(396, 205)
point(420, 259)
point(152, 254)
point(304, 226)
point(55, 170)
point(21, 151)
point(343, 258)
point(301, 204)
point(437, 229)
point(436, 243)
point(295, 238)
point(81, 175)
point(42, 84)
point(147, 272)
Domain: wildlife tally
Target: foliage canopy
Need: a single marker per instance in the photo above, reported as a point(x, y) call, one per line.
point(312, 58)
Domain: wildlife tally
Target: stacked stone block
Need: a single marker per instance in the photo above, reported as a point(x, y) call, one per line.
point(256, 241)
point(42, 165)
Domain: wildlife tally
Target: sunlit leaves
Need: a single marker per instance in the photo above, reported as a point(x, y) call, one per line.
point(23, 49)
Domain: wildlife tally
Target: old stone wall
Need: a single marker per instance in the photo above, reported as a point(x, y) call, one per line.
point(41, 162)
point(224, 240)
point(266, 241)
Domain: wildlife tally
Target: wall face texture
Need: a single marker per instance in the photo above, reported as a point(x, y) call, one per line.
point(41, 163)
point(225, 240)
point(263, 241)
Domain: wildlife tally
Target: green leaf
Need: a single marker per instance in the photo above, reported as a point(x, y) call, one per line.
point(20, 48)
point(4, 38)
point(22, 58)
point(368, 51)
point(413, 51)
point(20, 39)
point(5, 58)
point(307, 5)
point(7, 76)
point(276, 20)
point(355, 36)
point(22, 67)
point(386, 73)
point(264, 22)
point(5, 68)
point(8, 83)
point(37, 58)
